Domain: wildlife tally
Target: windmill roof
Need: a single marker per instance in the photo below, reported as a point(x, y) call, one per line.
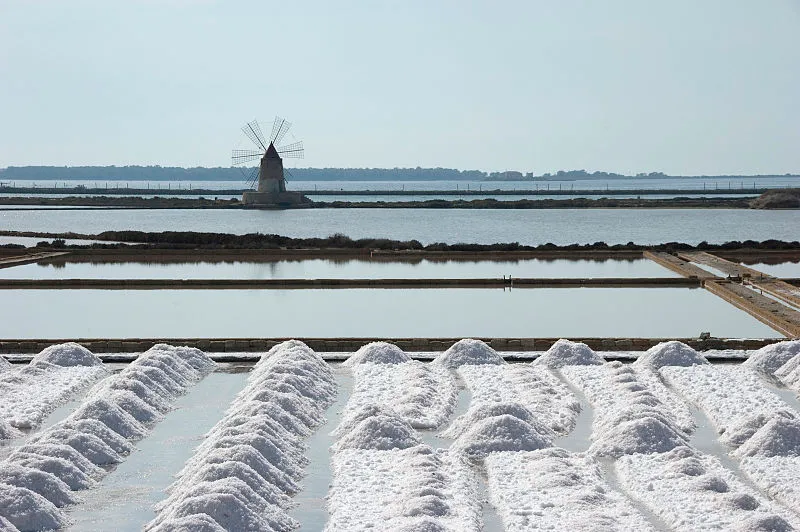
point(272, 153)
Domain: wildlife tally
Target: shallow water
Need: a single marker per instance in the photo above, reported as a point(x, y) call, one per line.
point(127, 495)
point(336, 269)
point(529, 227)
point(311, 510)
point(543, 312)
point(782, 270)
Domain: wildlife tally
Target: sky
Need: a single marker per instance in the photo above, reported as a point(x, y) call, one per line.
point(685, 87)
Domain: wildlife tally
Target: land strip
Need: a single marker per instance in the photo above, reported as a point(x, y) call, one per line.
point(7, 262)
point(540, 190)
point(577, 202)
point(422, 346)
point(767, 283)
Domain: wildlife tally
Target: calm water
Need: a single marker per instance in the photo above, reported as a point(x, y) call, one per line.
point(559, 226)
point(566, 312)
point(339, 269)
point(784, 269)
point(126, 496)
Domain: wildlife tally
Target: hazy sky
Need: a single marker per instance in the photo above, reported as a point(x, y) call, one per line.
point(680, 86)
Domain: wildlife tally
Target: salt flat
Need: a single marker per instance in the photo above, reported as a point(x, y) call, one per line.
point(174, 441)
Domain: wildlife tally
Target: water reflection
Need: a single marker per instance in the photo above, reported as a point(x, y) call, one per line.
point(542, 312)
point(349, 268)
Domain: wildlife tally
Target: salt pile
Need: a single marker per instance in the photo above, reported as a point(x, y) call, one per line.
point(480, 411)
point(5, 365)
point(552, 489)
point(693, 491)
point(28, 511)
point(52, 377)
point(468, 352)
point(424, 395)
point(377, 353)
point(534, 387)
point(670, 354)
point(647, 434)
point(780, 436)
point(413, 489)
point(241, 476)
point(727, 395)
point(118, 411)
point(628, 417)
point(770, 358)
point(567, 353)
point(66, 355)
point(7, 431)
point(379, 432)
point(500, 433)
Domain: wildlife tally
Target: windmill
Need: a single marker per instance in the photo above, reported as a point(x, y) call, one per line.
point(267, 177)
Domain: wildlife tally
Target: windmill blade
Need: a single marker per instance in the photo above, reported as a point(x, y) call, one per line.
point(294, 150)
point(245, 156)
point(280, 127)
point(252, 178)
point(253, 132)
point(286, 171)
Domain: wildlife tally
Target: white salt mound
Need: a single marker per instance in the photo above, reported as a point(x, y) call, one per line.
point(567, 353)
point(352, 417)
point(380, 432)
point(378, 353)
point(743, 428)
point(69, 354)
point(792, 363)
point(779, 437)
point(500, 433)
point(61, 468)
point(27, 510)
point(481, 411)
point(113, 416)
point(5, 365)
point(190, 355)
point(45, 484)
point(189, 523)
point(7, 431)
point(469, 352)
point(764, 523)
point(6, 526)
point(232, 513)
point(90, 446)
point(672, 353)
point(770, 358)
point(645, 435)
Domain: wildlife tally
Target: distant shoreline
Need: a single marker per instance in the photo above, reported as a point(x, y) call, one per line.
point(159, 174)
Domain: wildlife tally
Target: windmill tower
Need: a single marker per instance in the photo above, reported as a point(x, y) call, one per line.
point(267, 181)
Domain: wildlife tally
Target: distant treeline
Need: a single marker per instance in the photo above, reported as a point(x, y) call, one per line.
point(170, 173)
point(197, 240)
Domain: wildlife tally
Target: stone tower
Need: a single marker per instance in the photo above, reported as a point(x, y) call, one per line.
point(270, 175)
